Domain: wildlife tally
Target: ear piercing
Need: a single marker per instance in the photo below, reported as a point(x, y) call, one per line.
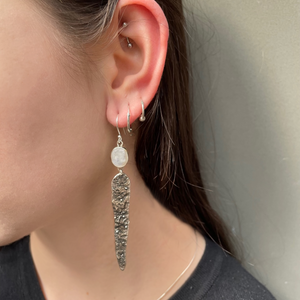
point(128, 122)
point(129, 44)
point(142, 117)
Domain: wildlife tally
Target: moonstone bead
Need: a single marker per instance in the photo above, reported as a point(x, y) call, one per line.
point(119, 157)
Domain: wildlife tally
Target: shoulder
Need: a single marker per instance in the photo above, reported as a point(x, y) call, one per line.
point(234, 282)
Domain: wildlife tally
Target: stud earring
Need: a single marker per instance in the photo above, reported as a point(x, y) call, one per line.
point(120, 187)
point(142, 117)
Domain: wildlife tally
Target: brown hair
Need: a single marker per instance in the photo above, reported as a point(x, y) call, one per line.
point(166, 155)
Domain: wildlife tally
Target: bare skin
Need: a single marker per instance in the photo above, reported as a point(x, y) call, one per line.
point(78, 261)
point(57, 132)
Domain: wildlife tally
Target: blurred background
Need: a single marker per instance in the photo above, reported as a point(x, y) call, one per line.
point(246, 70)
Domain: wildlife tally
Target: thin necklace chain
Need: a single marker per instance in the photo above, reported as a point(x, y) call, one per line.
point(183, 271)
point(175, 280)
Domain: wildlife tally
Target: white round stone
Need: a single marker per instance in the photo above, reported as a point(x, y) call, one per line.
point(119, 157)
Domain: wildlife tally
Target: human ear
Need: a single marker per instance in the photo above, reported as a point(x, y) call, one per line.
point(134, 73)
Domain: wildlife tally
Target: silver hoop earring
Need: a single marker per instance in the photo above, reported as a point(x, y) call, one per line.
point(120, 187)
point(142, 117)
point(128, 122)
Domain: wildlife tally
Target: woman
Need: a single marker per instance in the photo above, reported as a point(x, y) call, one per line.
point(83, 85)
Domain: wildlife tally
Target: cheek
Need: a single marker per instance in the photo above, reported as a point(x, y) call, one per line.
point(50, 133)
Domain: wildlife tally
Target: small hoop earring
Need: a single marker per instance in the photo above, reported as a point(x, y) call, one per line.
point(128, 122)
point(142, 117)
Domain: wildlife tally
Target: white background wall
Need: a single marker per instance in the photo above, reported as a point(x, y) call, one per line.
point(246, 58)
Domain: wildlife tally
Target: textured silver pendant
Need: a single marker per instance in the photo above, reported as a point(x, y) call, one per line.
point(120, 201)
point(120, 193)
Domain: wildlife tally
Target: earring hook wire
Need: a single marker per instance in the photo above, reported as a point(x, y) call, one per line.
point(117, 121)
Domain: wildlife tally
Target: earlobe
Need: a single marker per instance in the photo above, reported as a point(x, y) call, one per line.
point(137, 57)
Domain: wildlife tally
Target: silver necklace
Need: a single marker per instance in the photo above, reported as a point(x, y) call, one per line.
point(183, 271)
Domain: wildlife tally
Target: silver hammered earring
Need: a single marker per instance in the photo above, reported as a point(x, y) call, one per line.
point(120, 187)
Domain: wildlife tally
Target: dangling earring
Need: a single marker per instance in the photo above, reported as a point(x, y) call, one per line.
point(120, 187)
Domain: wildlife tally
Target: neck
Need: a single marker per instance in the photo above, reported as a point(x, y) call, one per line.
point(75, 255)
